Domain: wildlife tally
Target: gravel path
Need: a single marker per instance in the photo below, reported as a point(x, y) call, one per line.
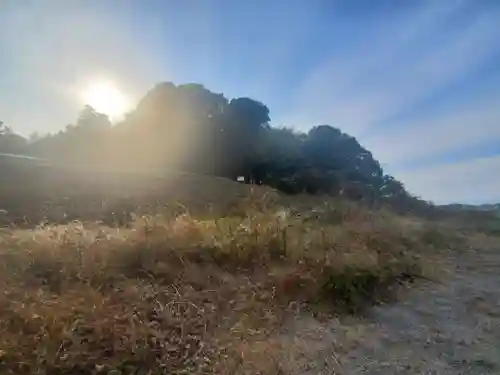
point(447, 328)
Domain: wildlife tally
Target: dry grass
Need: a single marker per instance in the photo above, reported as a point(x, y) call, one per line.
point(174, 294)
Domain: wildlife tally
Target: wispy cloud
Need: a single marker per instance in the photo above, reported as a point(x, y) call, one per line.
point(393, 91)
point(403, 64)
point(388, 77)
point(461, 127)
point(473, 181)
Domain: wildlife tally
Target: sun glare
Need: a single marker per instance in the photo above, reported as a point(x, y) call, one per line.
point(105, 98)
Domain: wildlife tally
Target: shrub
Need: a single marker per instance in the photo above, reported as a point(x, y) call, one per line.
point(161, 295)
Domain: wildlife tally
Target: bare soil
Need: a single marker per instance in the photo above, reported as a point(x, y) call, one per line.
point(446, 327)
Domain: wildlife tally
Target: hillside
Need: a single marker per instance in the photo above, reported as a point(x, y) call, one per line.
point(130, 249)
point(192, 129)
point(480, 207)
point(184, 273)
point(209, 286)
point(32, 192)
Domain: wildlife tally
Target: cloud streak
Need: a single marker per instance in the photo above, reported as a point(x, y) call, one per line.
point(394, 92)
point(473, 181)
point(428, 137)
point(407, 81)
point(374, 83)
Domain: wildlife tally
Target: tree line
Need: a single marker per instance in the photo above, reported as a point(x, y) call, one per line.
point(190, 128)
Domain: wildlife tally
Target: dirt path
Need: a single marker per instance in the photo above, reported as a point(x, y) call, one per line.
point(447, 328)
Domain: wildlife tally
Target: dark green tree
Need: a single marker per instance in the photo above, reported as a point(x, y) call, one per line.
point(188, 127)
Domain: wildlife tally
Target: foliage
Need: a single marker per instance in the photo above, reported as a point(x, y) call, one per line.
point(190, 128)
point(11, 143)
point(179, 294)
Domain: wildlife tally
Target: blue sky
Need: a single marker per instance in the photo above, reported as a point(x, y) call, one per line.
point(417, 82)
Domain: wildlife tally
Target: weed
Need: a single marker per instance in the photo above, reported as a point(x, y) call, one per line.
point(177, 292)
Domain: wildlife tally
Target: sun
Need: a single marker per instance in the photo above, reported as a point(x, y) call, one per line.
point(105, 98)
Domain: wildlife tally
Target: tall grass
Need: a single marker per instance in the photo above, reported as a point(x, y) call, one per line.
point(175, 294)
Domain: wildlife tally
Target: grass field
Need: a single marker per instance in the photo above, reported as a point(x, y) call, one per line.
point(199, 280)
point(32, 193)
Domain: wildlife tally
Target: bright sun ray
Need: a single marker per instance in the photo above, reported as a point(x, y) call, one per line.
point(105, 98)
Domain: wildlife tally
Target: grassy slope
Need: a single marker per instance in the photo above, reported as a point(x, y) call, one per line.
point(31, 193)
point(197, 291)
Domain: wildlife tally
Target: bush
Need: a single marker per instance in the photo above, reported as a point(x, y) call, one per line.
point(161, 295)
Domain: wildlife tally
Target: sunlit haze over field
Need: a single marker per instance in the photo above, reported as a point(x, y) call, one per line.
point(416, 82)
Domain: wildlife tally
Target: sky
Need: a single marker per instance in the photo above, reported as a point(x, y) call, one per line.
point(416, 82)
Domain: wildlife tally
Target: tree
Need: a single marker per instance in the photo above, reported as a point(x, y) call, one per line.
point(10, 142)
point(243, 122)
point(191, 128)
point(82, 142)
point(340, 157)
point(4, 129)
point(34, 137)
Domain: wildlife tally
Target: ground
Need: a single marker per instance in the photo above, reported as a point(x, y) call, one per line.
point(207, 276)
point(446, 327)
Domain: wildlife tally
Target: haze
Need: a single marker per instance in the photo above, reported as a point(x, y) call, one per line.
point(416, 82)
